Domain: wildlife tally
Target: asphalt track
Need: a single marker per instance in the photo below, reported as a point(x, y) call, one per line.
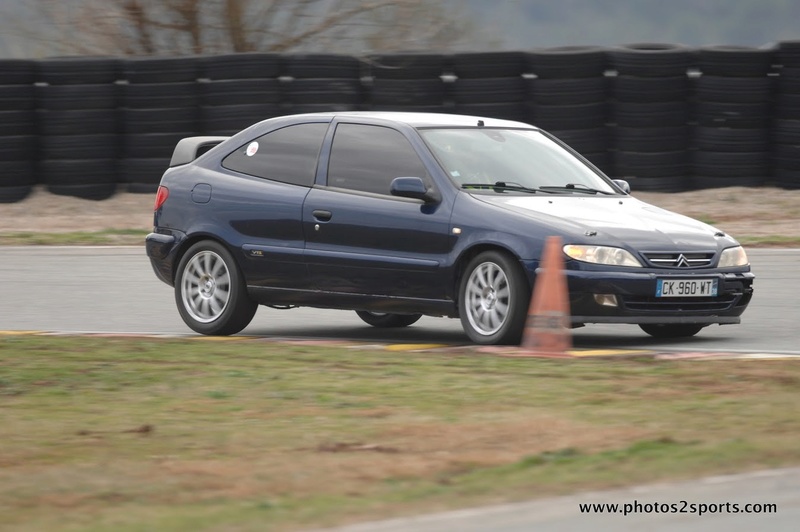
point(113, 290)
point(713, 504)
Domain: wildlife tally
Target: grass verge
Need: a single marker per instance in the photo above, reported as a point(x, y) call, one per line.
point(165, 434)
point(770, 241)
point(108, 237)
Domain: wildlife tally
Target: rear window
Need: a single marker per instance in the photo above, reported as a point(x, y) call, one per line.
point(288, 155)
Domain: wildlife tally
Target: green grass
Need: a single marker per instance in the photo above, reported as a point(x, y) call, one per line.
point(160, 434)
point(78, 238)
point(770, 241)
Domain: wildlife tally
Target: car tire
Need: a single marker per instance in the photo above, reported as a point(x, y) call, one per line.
point(484, 65)
point(567, 62)
point(734, 61)
point(493, 299)
point(300, 66)
point(240, 66)
point(650, 59)
point(671, 330)
point(575, 91)
point(387, 321)
point(407, 66)
point(18, 71)
point(78, 70)
point(203, 273)
point(150, 69)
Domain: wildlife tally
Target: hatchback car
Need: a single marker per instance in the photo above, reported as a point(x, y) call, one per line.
point(399, 215)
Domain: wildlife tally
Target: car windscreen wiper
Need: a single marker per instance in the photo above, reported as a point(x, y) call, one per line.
point(502, 186)
point(576, 187)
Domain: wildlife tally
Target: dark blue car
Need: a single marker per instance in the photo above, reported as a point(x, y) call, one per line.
point(399, 215)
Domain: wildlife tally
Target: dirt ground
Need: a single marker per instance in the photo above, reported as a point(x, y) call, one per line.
point(751, 212)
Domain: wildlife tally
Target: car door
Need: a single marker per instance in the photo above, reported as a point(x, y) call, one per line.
point(362, 240)
point(279, 167)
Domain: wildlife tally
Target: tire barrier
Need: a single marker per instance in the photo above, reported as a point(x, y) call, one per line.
point(159, 100)
point(568, 96)
point(487, 84)
point(228, 106)
point(650, 115)
point(17, 129)
point(407, 82)
point(322, 82)
point(78, 118)
point(664, 116)
point(786, 125)
point(733, 95)
point(496, 97)
point(567, 62)
point(650, 60)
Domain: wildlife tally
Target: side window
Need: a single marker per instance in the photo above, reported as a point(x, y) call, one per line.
point(368, 158)
point(288, 155)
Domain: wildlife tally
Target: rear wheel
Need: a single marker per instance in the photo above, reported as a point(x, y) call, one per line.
point(384, 321)
point(210, 291)
point(493, 299)
point(674, 330)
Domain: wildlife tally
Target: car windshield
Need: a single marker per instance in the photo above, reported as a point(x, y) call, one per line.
point(485, 160)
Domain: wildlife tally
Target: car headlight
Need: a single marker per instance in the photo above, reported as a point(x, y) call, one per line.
point(733, 257)
point(602, 255)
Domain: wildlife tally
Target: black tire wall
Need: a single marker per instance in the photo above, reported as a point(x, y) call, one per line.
point(78, 126)
point(18, 151)
point(664, 116)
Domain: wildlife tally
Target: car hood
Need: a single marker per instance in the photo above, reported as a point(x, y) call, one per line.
point(616, 220)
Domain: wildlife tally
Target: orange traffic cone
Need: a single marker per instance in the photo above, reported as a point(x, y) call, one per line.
point(547, 331)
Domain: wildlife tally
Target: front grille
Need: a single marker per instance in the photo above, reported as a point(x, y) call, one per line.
point(657, 304)
point(680, 261)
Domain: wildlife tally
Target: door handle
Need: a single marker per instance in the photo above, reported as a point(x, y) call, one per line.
point(322, 216)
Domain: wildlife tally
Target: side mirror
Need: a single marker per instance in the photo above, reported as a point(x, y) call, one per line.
point(413, 187)
point(622, 184)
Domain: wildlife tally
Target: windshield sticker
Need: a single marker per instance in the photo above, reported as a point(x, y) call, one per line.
point(252, 148)
point(455, 173)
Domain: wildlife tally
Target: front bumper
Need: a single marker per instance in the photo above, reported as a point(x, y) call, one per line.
point(637, 303)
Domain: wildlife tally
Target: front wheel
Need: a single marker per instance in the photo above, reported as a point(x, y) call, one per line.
point(210, 291)
point(671, 330)
point(383, 321)
point(493, 299)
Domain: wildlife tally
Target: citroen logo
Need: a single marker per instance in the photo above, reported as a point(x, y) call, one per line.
point(681, 262)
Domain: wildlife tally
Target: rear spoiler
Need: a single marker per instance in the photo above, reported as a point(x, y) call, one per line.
point(191, 148)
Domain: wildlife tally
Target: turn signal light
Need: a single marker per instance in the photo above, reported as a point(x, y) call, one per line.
point(161, 196)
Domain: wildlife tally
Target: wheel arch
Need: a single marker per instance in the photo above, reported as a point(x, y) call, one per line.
point(470, 253)
point(193, 239)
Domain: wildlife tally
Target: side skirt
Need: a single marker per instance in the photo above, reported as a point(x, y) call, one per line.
point(345, 301)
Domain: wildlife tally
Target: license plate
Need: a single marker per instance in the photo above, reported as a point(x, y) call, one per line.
point(686, 288)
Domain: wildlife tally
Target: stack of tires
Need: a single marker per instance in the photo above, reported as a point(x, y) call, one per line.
point(406, 82)
point(159, 107)
point(786, 126)
point(732, 110)
point(567, 96)
point(489, 84)
point(650, 115)
point(17, 129)
point(77, 103)
point(239, 90)
point(321, 82)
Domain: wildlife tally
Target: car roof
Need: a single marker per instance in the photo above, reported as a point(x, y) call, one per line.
point(424, 120)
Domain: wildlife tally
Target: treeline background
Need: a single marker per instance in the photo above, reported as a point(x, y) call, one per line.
point(41, 28)
point(94, 94)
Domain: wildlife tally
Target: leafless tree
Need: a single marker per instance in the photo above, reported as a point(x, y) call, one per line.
point(166, 27)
